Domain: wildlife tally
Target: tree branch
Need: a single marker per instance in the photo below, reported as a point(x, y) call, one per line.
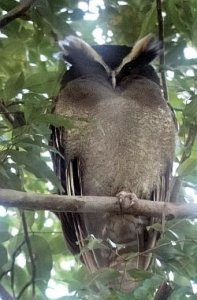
point(31, 256)
point(164, 292)
point(8, 116)
point(16, 12)
point(95, 204)
point(162, 55)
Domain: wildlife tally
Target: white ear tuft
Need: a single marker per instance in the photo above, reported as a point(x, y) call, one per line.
point(142, 45)
point(146, 49)
point(73, 45)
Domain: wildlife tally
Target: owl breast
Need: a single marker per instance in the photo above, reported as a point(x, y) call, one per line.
point(123, 137)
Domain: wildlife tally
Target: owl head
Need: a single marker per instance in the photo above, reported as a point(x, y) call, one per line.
point(112, 62)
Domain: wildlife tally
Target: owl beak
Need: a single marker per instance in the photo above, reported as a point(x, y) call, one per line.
point(113, 79)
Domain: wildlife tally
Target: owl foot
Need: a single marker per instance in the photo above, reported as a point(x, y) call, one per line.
point(126, 200)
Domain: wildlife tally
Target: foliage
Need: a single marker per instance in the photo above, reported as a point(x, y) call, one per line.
point(37, 261)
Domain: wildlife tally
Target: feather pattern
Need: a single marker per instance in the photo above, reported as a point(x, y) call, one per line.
point(123, 140)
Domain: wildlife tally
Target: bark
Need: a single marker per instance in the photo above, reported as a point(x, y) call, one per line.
point(16, 12)
point(95, 204)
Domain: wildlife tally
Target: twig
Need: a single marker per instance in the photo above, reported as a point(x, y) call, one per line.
point(192, 132)
point(95, 204)
point(16, 12)
point(162, 55)
point(11, 270)
point(9, 117)
point(14, 255)
point(15, 119)
point(150, 250)
point(13, 258)
point(33, 271)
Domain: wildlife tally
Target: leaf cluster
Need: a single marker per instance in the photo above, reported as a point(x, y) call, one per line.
point(30, 79)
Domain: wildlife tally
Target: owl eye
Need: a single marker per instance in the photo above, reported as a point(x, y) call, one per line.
point(129, 68)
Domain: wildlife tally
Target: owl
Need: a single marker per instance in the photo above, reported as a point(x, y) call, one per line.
point(121, 143)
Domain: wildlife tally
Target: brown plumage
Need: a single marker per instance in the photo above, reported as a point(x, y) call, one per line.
point(123, 139)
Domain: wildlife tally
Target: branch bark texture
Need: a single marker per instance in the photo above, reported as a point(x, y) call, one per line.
point(95, 204)
point(16, 12)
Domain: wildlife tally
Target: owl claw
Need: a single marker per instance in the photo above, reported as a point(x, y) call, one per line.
point(126, 199)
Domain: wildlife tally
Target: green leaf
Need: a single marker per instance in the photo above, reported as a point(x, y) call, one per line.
point(139, 274)
point(15, 243)
point(190, 110)
point(43, 82)
point(3, 256)
point(149, 21)
point(4, 233)
point(39, 168)
point(20, 277)
point(181, 294)
point(176, 13)
point(166, 251)
point(58, 245)
point(8, 4)
point(94, 243)
point(176, 102)
point(181, 280)
point(105, 275)
point(55, 120)
point(187, 166)
point(183, 228)
point(14, 85)
point(146, 290)
point(42, 259)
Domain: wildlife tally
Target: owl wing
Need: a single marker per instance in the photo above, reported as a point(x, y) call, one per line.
point(73, 226)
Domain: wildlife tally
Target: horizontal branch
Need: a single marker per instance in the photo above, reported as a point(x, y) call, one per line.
point(95, 204)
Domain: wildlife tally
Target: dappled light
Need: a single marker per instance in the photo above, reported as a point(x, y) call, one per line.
point(35, 261)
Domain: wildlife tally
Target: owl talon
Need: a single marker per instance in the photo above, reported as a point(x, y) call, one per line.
point(126, 200)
